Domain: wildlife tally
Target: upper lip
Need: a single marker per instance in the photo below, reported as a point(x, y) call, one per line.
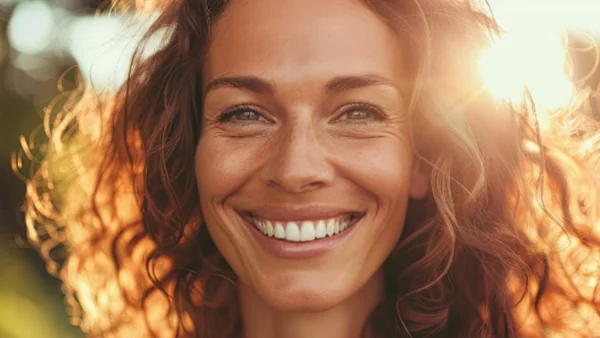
point(301, 212)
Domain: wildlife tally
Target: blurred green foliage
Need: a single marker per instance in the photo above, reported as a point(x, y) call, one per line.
point(31, 302)
point(29, 306)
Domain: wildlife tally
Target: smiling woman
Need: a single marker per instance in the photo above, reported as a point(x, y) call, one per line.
point(319, 168)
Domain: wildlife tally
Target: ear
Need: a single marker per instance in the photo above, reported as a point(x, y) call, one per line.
point(419, 183)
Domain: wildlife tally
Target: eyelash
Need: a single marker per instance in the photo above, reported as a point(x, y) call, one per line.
point(228, 115)
point(376, 112)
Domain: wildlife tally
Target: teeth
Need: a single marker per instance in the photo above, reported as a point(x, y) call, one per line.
point(307, 233)
point(304, 231)
point(292, 233)
point(321, 231)
point(279, 230)
point(262, 227)
point(330, 227)
point(270, 229)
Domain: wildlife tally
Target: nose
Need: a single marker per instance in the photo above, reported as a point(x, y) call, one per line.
point(298, 161)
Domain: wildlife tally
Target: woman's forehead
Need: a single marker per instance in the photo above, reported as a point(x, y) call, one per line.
point(285, 39)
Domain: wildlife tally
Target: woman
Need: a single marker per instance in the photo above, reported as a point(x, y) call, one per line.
point(320, 168)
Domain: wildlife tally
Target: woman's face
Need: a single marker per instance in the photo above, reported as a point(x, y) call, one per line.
point(305, 165)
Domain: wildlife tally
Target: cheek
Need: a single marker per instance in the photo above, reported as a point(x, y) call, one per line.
point(382, 167)
point(222, 166)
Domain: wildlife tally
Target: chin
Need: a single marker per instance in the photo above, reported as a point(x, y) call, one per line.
point(305, 300)
point(301, 292)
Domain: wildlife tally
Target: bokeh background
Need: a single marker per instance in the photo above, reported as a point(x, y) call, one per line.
point(35, 49)
point(42, 40)
point(40, 43)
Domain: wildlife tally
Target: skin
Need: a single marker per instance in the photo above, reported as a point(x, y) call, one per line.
point(303, 144)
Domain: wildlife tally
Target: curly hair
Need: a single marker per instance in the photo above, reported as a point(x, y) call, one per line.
point(506, 244)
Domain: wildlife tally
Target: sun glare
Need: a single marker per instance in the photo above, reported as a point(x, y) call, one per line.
point(532, 54)
point(535, 62)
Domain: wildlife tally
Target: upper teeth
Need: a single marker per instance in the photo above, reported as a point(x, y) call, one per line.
point(302, 231)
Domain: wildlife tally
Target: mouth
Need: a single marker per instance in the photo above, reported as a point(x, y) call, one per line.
point(302, 230)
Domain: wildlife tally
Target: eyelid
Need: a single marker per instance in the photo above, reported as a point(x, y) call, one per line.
point(378, 112)
point(228, 113)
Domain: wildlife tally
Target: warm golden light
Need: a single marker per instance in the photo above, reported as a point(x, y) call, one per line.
point(525, 60)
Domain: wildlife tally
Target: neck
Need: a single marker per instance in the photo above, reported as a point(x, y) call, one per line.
point(346, 320)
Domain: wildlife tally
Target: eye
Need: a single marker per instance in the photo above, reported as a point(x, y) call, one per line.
point(242, 114)
point(360, 113)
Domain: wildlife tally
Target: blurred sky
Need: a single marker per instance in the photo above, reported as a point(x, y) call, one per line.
point(41, 40)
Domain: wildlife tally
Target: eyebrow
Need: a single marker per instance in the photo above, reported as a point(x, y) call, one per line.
point(343, 83)
point(337, 84)
point(251, 83)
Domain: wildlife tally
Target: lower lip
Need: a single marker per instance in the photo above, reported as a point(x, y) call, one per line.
point(299, 250)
